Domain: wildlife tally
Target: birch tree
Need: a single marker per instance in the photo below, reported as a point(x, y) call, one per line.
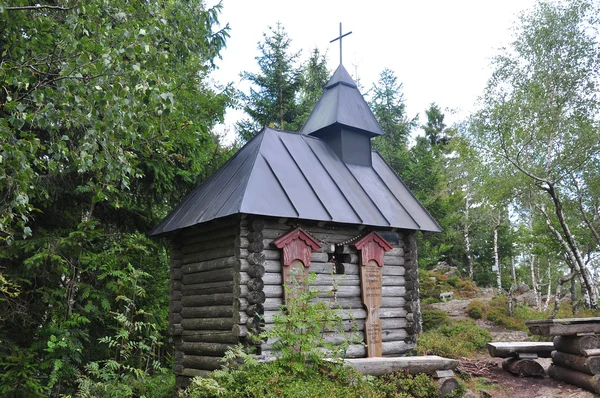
point(540, 112)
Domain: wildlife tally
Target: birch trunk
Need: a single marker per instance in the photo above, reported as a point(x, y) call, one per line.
point(468, 239)
point(497, 258)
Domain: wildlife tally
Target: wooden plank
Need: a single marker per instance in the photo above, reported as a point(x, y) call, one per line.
point(512, 349)
point(564, 327)
point(588, 382)
point(577, 345)
point(523, 367)
point(414, 365)
point(589, 365)
point(205, 348)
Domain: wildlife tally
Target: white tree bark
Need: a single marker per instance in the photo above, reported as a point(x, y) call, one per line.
point(496, 257)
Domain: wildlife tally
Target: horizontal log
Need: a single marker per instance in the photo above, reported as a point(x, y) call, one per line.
point(205, 301)
point(207, 324)
point(394, 347)
point(589, 365)
point(240, 304)
point(318, 257)
point(216, 311)
point(209, 336)
point(414, 365)
point(588, 382)
point(201, 362)
point(189, 372)
point(330, 268)
point(208, 276)
point(356, 302)
point(241, 317)
point(207, 229)
point(211, 265)
point(393, 260)
point(271, 254)
point(204, 348)
point(200, 289)
point(351, 258)
point(393, 270)
point(393, 335)
point(239, 330)
point(273, 303)
point(523, 367)
point(564, 327)
point(512, 349)
point(577, 345)
point(191, 248)
point(211, 254)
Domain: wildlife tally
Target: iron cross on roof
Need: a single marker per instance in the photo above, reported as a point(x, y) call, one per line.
point(340, 39)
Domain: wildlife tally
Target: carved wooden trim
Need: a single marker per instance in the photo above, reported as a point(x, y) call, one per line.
point(297, 246)
point(372, 249)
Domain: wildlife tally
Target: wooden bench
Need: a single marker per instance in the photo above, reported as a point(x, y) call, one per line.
point(520, 357)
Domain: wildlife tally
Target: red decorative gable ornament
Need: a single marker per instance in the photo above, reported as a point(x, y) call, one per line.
point(372, 247)
point(297, 245)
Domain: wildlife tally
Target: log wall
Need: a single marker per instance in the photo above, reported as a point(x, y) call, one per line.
point(399, 290)
point(205, 266)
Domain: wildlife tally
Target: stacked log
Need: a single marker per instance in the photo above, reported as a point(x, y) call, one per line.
point(203, 292)
point(412, 305)
point(249, 305)
point(577, 361)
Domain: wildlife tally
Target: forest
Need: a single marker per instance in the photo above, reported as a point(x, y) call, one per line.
point(107, 120)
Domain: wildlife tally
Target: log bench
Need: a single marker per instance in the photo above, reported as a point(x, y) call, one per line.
point(520, 357)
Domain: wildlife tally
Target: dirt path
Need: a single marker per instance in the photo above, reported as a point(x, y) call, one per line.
point(487, 373)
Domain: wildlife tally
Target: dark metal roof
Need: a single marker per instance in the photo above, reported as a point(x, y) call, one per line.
point(282, 174)
point(342, 103)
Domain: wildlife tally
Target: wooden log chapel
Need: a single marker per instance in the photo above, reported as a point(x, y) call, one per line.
point(320, 200)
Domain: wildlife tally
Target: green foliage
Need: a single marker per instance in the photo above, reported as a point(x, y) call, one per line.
point(299, 332)
point(404, 385)
point(434, 318)
point(430, 300)
point(498, 313)
point(461, 339)
point(272, 97)
point(105, 119)
point(476, 309)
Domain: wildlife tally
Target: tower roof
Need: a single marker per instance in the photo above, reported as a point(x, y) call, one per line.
point(343, 104)
point(283, 174)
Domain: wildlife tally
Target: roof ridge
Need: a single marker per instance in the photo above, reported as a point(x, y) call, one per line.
point(256, 155)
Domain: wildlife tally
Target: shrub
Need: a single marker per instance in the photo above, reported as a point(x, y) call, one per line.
point(476, 309)
point(461, 339)
point(434, 318)
point(402, 384)
point(430, 300)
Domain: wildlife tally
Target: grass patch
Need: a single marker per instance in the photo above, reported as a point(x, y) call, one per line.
point(461, 339)
point(476, 309)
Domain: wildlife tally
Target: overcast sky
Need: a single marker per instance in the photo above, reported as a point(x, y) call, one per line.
point(440, 50)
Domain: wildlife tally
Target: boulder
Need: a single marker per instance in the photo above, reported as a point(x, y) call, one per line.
point(521, 288)
point(445, 269)
point(527, 298)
